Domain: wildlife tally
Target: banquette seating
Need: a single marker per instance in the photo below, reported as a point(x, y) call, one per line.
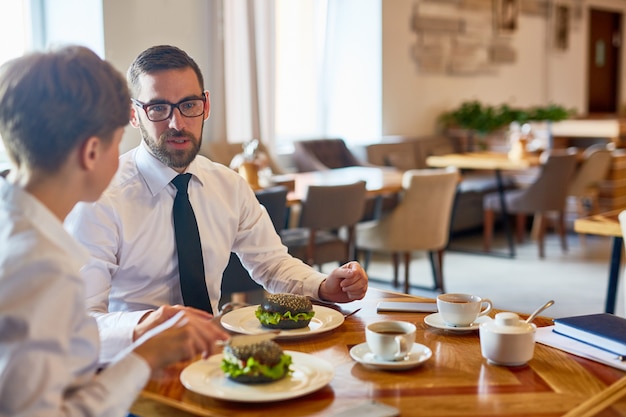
point(321, 154)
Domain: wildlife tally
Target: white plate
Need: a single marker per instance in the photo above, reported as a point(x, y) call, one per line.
point(244, 321)
point(207, 378)
point(435, 320)
point(419, 354)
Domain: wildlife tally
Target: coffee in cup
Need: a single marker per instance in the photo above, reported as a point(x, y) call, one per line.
point(390, 340)
point(460, 310)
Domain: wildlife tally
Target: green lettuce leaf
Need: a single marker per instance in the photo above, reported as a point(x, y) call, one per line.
point(275, 318)
point(254, 368)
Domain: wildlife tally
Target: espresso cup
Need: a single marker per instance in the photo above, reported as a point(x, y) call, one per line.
point(390, 340)
point(460, 310)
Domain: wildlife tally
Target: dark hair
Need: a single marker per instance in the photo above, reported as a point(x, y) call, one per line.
point(51, 102)
point(160, 58)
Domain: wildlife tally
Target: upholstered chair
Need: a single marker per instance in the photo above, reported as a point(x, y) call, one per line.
point(545, 195)
point(327, 224)
point(585, 186)
point(420, 222)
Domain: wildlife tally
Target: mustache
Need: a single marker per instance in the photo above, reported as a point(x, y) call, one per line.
point(173, 133)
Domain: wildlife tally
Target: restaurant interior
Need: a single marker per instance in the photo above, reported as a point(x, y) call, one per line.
point(431, 60)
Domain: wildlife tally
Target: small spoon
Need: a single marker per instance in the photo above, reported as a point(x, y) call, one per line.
point(539, 310)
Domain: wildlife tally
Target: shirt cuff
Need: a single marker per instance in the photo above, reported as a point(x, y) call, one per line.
point(311, 287)
point(116, 332)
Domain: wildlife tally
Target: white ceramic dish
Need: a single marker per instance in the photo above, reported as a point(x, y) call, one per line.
point(435, 320)
point(207, 378)
point(418, 355)
point(244, 321)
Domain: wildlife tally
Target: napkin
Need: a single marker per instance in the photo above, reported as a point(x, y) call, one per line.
point(547, 337)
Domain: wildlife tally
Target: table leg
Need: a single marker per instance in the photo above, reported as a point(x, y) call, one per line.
point(504, 213)
point(616, 260)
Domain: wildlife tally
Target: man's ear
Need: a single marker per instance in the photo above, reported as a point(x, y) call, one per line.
point(89, 152)
point(207, 105)
point(134, 117)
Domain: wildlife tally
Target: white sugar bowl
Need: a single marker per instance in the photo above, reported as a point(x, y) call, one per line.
point(507, 340)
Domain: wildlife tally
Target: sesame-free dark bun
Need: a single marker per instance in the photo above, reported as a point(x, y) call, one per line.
point(267, 353)
point(283, 303)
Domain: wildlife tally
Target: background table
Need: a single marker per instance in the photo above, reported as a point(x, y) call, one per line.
point(606, 224)
point(378, 180)
point(456, 381)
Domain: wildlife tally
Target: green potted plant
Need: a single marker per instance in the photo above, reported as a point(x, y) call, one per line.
point(481, 119)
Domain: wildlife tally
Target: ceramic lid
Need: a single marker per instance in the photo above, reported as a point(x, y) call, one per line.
point(508, 323)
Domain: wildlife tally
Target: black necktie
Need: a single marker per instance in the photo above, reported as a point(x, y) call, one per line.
point(190, 263)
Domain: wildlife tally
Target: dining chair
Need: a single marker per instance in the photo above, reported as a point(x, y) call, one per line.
point(236, 280)
point(546, 194)
point(331, 153)
point(326, 228)
point(584, 188)
point(420, 222)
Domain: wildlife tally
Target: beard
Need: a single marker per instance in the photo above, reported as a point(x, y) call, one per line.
point(173, 159)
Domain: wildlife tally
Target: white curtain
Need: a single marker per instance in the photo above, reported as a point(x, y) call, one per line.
point(296, 69)
point(329, 62)
point(248, 30)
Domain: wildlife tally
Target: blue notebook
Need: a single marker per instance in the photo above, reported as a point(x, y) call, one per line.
point(605, 331)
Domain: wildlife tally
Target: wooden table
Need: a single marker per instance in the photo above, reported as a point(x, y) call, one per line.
point(378, 180)
point(456, 381)
point(606, 224)
point(494, 161)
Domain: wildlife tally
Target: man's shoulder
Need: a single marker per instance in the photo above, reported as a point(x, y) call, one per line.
point(127, 170)
point(210, 168)
point(127, 176)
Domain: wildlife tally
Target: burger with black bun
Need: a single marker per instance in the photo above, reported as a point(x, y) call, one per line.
point(255, 361)
point(285, 311)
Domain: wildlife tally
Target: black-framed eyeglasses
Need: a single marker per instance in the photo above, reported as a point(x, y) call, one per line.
point(157, 112)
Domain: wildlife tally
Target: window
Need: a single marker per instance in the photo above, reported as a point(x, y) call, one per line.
point(328, 70)
point(14, 25)
point(22, 22)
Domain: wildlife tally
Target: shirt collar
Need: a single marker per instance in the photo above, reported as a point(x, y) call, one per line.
point(156, 174)
point(16, 199)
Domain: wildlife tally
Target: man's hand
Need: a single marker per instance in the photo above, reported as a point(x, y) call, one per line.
point(344, 284)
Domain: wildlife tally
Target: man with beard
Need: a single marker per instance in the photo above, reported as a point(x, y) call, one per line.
point(133, 279)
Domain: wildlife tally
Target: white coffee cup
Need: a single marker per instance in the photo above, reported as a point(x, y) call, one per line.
point(390, 340)
point(460, 310)
point(507, 340)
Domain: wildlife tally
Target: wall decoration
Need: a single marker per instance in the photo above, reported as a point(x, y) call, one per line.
point(534, 8)
point(476, 37)
point(561, 27)
point(505, 15)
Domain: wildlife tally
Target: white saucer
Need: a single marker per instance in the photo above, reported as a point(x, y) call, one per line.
point(435, 320)
point(362, 354)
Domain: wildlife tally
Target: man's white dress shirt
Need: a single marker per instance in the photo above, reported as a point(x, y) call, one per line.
point(49, 346)
point(129, 232)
